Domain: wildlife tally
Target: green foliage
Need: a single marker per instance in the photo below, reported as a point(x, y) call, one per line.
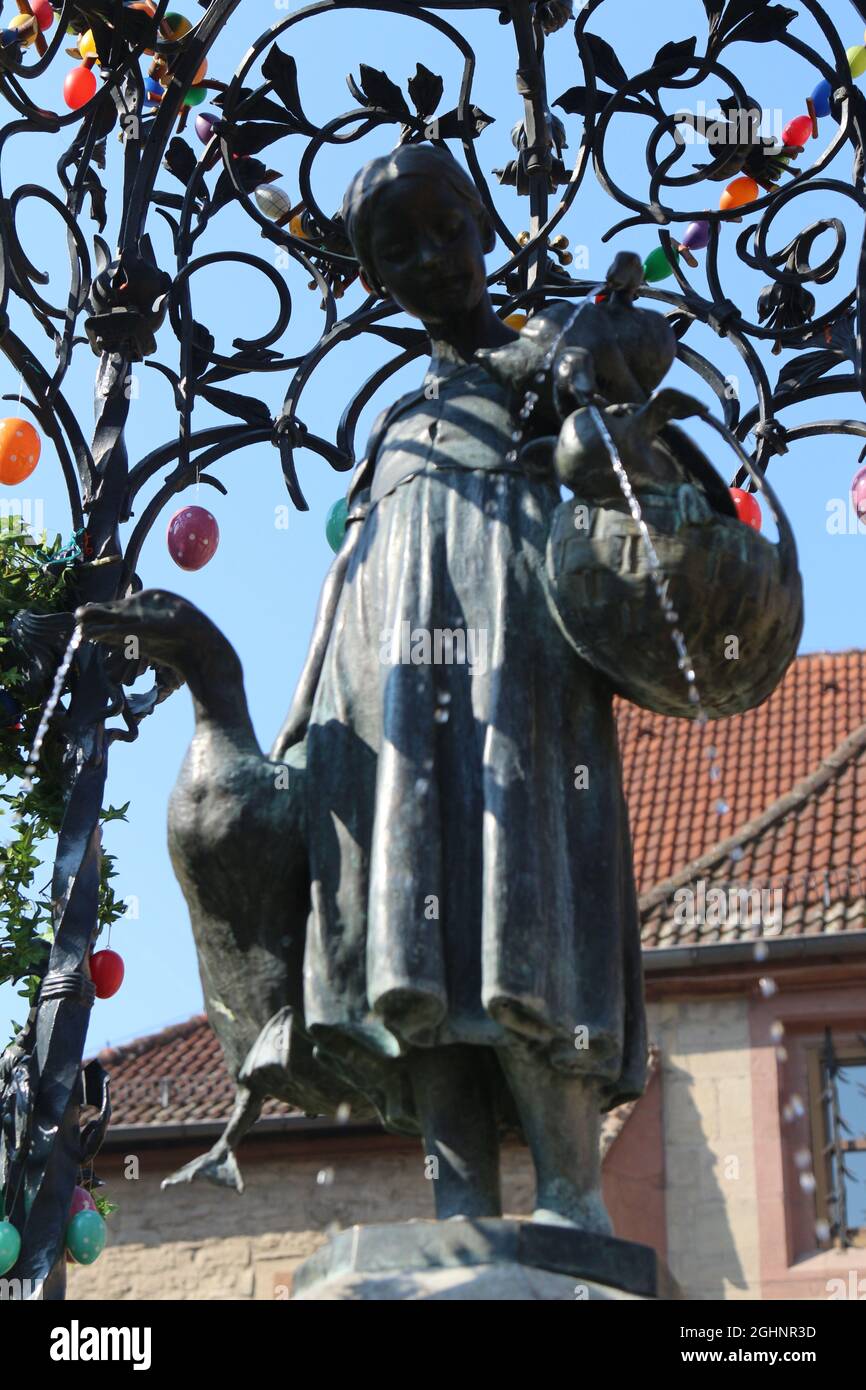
point(103, 1205)
point(29, 580)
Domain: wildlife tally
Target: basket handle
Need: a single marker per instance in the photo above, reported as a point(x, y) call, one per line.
point(787, 544)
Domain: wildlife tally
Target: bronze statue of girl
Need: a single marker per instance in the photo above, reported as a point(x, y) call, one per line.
point(473, 933)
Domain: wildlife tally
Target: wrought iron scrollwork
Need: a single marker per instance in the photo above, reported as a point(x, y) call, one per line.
point(121, 298)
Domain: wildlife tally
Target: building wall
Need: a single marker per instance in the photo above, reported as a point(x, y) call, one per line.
point(204, 1242)
point(711, 1196)
point(634, 1177)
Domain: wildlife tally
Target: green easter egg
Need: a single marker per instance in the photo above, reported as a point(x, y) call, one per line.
point(658, 266)
point(85, 1237)
point(195, 96)
point(10, 1246)
point(335, 526)
point(177, 23)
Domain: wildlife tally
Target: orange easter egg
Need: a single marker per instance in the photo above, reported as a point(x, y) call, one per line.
point(738, 193)
point(20, 447)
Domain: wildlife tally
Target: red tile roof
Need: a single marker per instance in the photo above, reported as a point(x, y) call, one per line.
point(763, 754)
point(798, 869)
point(176, 1076)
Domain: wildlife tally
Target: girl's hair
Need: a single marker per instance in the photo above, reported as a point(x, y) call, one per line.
point(406, 161)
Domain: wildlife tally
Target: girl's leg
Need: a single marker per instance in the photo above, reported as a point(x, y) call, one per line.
point(562, 1123)
point(454, 1101)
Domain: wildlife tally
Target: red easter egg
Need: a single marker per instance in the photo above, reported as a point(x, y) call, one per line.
point(858, 494)
point(193, 536)
point(747, 507)
point(20, 447)
point(43, 12)
point(798, 131)
point(81, 1201)
point(78, 87)
point(106, 969)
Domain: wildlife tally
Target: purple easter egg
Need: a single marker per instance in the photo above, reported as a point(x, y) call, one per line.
point(204, 125)
point(696, 236)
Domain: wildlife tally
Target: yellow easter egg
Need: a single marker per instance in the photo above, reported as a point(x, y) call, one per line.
point(857, 60)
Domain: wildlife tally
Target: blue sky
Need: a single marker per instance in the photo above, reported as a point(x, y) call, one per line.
point(263, 584)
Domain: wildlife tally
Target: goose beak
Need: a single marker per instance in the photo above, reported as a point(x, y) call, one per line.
point(102, 622)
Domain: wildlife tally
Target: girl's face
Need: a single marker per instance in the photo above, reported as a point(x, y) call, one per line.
point(427, 249)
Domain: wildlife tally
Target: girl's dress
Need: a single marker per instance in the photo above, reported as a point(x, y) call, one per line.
point(468, 838)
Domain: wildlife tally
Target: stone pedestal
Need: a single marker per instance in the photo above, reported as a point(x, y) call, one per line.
point(486, 1260)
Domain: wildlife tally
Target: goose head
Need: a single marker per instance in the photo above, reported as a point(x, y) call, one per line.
point(168, 629)
point(652, 450)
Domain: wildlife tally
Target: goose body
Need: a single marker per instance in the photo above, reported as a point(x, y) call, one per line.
point(236, 837)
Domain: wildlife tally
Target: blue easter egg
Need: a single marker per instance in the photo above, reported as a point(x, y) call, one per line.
point(821, 98)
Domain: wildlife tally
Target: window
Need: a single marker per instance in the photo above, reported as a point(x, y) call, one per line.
point(838, 1077)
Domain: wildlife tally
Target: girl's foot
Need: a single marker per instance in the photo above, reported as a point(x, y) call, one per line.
point(561, 1205)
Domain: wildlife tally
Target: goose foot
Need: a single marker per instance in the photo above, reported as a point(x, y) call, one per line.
point(218, 1165)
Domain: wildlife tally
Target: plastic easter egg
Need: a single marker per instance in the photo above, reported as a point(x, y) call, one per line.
point(195, 96)
point(798, 132)
point(87, 45)
point(78, 87)
point(43, 13)
point(81, 1201)
point(517, 321)
point(106, 971)
point(85, 1237)
point(201, 73)
point(857, 59)
point(738, 193)
point(20, 447)
point(696, 237)
point(747, 507)
point(10, 1246)
point(193, 536)
point(205, 122)
point(658, 265)
point(177, 23)
point(858, 494)
point(25, 27)
point(272, 200)
point(10, 711)
point(335, 525)
point(821, 97)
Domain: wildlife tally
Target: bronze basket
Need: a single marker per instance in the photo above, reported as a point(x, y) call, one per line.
point(725, 582)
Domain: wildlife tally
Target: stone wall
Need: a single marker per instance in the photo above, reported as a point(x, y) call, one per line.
point(711, 1193)
point(203, 1242)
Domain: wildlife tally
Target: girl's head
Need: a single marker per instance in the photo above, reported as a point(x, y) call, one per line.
point(420, 231)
